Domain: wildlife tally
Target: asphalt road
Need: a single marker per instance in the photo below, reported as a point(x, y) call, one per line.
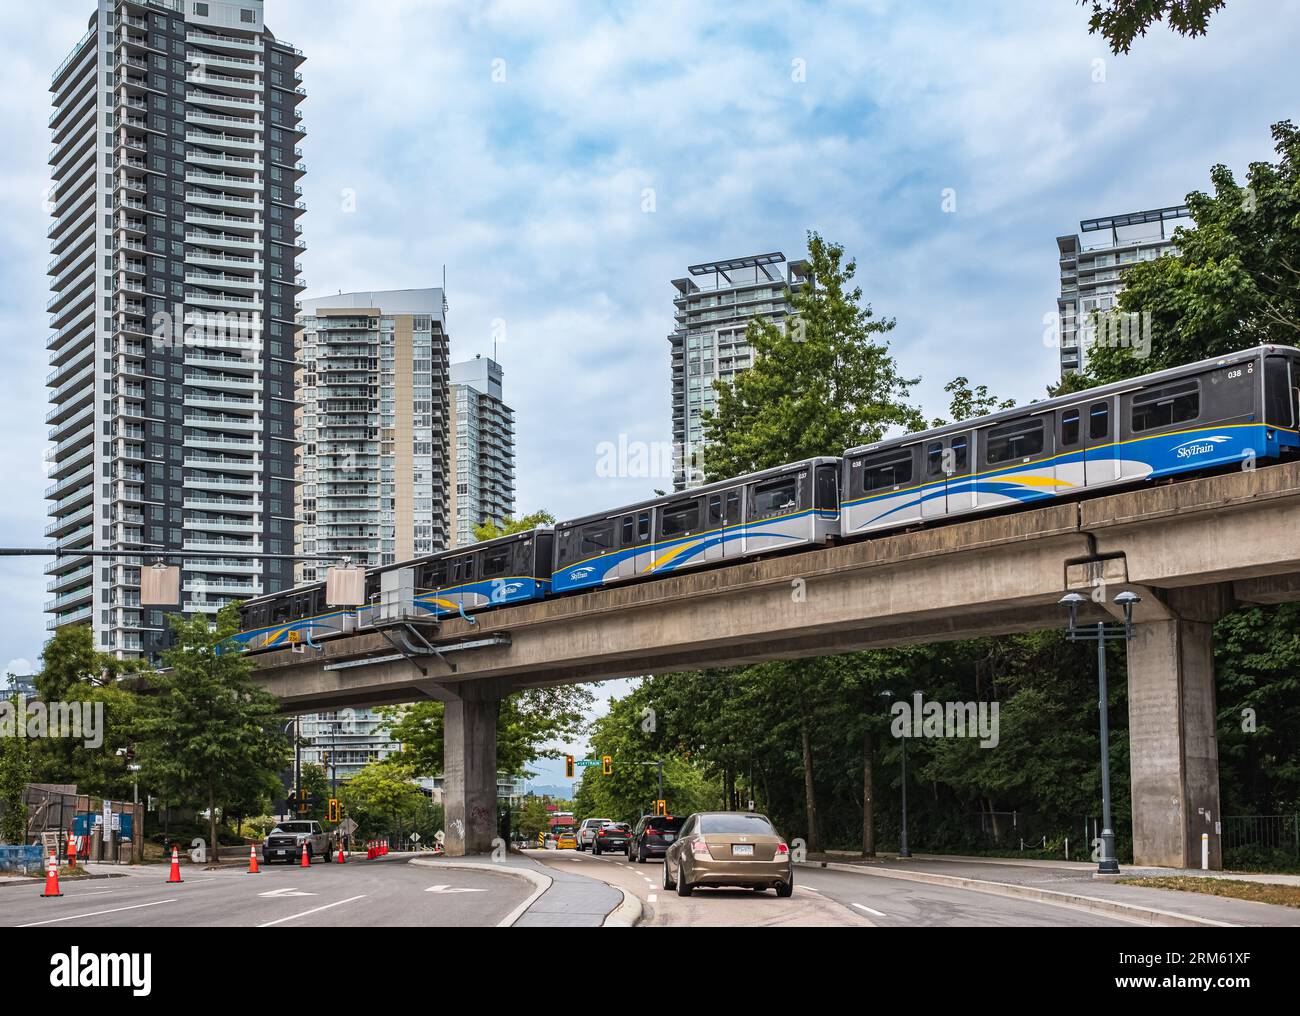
point(706, 907)
point(384, 893)
point(821, 898)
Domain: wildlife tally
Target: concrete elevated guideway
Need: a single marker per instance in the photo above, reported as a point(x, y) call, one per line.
point(1192, 550)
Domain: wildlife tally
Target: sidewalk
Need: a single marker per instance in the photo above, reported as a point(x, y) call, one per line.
point(1072, 883)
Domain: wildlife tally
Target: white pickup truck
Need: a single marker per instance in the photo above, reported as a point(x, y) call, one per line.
point(285, 842)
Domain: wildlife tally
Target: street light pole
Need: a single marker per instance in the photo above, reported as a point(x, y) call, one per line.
point(1108, 863)
point(903, 851)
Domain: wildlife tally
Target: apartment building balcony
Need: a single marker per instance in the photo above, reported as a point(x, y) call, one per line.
point(225, 587)
point(72, 580)
point(217, 544)
point(82, 417)
point(223, 160)
point(223, 280)
point(198, 566)
point(222, 525)
point(82, 478)
point(218, 442)
point(75, 539)
point(226, 61)
point(224, 463)
point(240, 104)
point(222, 43)
point(195, 216)
point(211, 400)
point(80, 615)
point(208, 76)
point(220, 139)
point(226, 364)
point(224, 121)
point(213, 199)
point(199, 298)
point(249, 506)
point(223, 422)
point(72, 522)
point(226, 181)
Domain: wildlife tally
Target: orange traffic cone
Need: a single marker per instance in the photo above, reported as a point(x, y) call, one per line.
point(52, 876)
point(383, 849)
point(306, 858)
point(175, 875)
point(253, 869)
point(341, 858)
point(72, 850)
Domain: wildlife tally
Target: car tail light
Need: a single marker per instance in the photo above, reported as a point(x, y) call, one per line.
point(781, 848)
point(701, 849)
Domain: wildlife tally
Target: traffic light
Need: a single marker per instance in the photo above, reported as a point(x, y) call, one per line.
point(606, 764)
point(568, 766)
point(661, 807)
point(335, 811)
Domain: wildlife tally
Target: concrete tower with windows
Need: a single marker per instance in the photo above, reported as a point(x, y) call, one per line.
point(175, 201)
point(712, 307)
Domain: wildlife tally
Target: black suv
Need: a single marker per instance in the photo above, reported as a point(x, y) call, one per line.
point(611, 837)
point(652, 837)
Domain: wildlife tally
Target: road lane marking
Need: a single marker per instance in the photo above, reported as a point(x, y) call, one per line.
point(652, 898)
point(308, 913)
point(97, 913)
point(877, 913)
point(452, 889)
point(809, 889)
point(281, 893)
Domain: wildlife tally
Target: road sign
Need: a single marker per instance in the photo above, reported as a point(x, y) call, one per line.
point(587, 762)
point(415, 837)
point(347, 827)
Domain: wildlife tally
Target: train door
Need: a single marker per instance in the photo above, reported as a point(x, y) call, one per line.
point(634, 538)
point(734, 543)
point(715, 522)
point(960, 488)
point(1070, 430)
point(1099, 428)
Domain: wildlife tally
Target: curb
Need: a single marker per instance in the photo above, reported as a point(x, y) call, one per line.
point(627, 914)
point(539, 881)
point(1143, 915)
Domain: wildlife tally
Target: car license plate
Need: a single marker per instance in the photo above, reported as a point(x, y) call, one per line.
point(742, 850)
point(670, 837)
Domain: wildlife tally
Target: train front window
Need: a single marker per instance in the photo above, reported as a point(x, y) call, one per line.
point(1166, 406)
point(1017, 440)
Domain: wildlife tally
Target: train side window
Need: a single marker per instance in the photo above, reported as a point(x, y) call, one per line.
point(566, 552)
point(1166, 406)
point(1017, 440)
point(643, 527)
point(960, 454)
point(682, 517)
point(828, 488)
point(733, 506)
point(629, 530)
point(776, 496)
point(886, 470)
point(435, 574)
point(1070, 427)
point(597, 537)
point(715, 510)
point(1099, 421)
point(496, 561)
point(934, 458)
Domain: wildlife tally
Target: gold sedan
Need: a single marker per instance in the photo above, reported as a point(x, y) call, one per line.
point(729, 848)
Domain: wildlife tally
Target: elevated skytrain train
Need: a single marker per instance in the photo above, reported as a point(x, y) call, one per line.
point(1205, 416)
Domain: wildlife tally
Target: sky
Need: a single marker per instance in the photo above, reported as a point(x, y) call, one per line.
point(563, 162)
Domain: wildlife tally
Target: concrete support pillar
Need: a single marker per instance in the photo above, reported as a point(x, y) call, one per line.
point(470, 766)
point(1174, 752)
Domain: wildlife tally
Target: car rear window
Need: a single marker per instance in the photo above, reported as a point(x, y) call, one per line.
point(293, 827)
point(755, 825)
point(665, 824)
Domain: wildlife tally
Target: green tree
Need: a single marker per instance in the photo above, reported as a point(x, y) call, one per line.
point(1122, 21)
point(209, 735)
point(489, 530)
point(967, 402)
point(1235, 281)
point(533, 818)
point(379, 795)
point(820, 384)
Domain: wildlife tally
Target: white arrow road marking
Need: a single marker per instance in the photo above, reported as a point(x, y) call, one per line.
point(280, 893)
point(308, 913)
point(869, 910)
point(452, 889)
point(97, 913)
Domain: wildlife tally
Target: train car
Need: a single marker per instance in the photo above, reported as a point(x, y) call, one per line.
point(507, 570)
point(1216, 413)
point(780, 509)
point(294, 616)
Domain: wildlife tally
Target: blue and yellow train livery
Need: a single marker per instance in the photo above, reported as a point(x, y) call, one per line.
point(295, 617)
point(779, 509)
point(1227, 412)
point(1222, 412)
